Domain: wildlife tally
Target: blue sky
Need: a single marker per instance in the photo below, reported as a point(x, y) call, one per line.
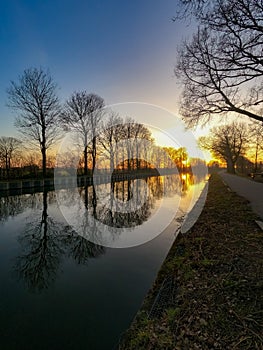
point(122, 50)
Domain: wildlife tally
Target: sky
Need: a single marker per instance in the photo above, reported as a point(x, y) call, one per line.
point(125, 51)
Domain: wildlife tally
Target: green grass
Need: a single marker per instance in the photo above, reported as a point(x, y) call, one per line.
point(217, 267)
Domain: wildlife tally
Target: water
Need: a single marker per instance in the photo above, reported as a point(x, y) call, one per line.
point(59, 290)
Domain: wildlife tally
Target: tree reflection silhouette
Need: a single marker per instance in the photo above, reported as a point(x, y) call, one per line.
point(80, 248)
point(128, 203)
point(44, 242)
point(11, 206)
point(120, 204)
point(43, 249)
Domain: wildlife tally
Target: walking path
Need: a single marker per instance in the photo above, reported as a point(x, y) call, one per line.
point(251, 190)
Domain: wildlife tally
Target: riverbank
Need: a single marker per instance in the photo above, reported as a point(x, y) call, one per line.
point(208, 293)
point(23, 186)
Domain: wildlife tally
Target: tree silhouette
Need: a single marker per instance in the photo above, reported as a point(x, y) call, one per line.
point(83, 114)
point(35, 97)
point(221, 66)
point(8, 149)
point(109, 138)
point(11, 206)
point(256, 142)
point(227, 142)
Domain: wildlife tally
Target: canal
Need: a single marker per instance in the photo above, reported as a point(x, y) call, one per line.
point(60, 287)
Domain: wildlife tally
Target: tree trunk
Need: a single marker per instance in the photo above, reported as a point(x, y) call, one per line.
point(44, 162)
point(116, 155)
point(86, 201)
point(129, 192)
point(6, 166)
point(94, 154)
point(94, 202)
point(128, 158)
point(230, 166)
point(44, 150)
point(256, 159)
point(86, 160)
point(111, 162)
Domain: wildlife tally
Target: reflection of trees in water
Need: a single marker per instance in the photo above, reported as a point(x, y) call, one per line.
point(165, 186)
point(42, 245)
point(128, 203)
point(45, 242)
point(11, 206)
point(81, 250)
point(89, 217)
point(118, 205)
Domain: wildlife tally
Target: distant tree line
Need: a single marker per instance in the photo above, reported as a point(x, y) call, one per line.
point(101, 137)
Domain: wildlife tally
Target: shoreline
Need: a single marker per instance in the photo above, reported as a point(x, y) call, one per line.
point(207, 293)
point(25, 186)
point(62, 182)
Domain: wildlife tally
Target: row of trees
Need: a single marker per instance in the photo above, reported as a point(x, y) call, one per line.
point(9, 149)
point(238, 145)
point(220, 68)
point(114, 153)
point(96, 132)
point(42, 118)
point(120, 144)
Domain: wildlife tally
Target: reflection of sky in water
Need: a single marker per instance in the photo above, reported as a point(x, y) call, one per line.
point(125, 213)
point(57, 283)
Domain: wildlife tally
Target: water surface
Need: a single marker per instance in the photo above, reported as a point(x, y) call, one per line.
point(60, 290)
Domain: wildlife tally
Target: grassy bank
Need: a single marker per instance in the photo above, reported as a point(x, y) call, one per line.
point(208, 293)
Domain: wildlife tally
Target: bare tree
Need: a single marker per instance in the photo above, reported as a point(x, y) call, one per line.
point(227, 142)
point(135, 136)
point(142, 136)
point(124, 142)
point(191, 8)
point(109, 138)
point(83, 114)
point(221, 67)
point(9, 147)
point(30, 161)
point(35, 97)
point(256, 143)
